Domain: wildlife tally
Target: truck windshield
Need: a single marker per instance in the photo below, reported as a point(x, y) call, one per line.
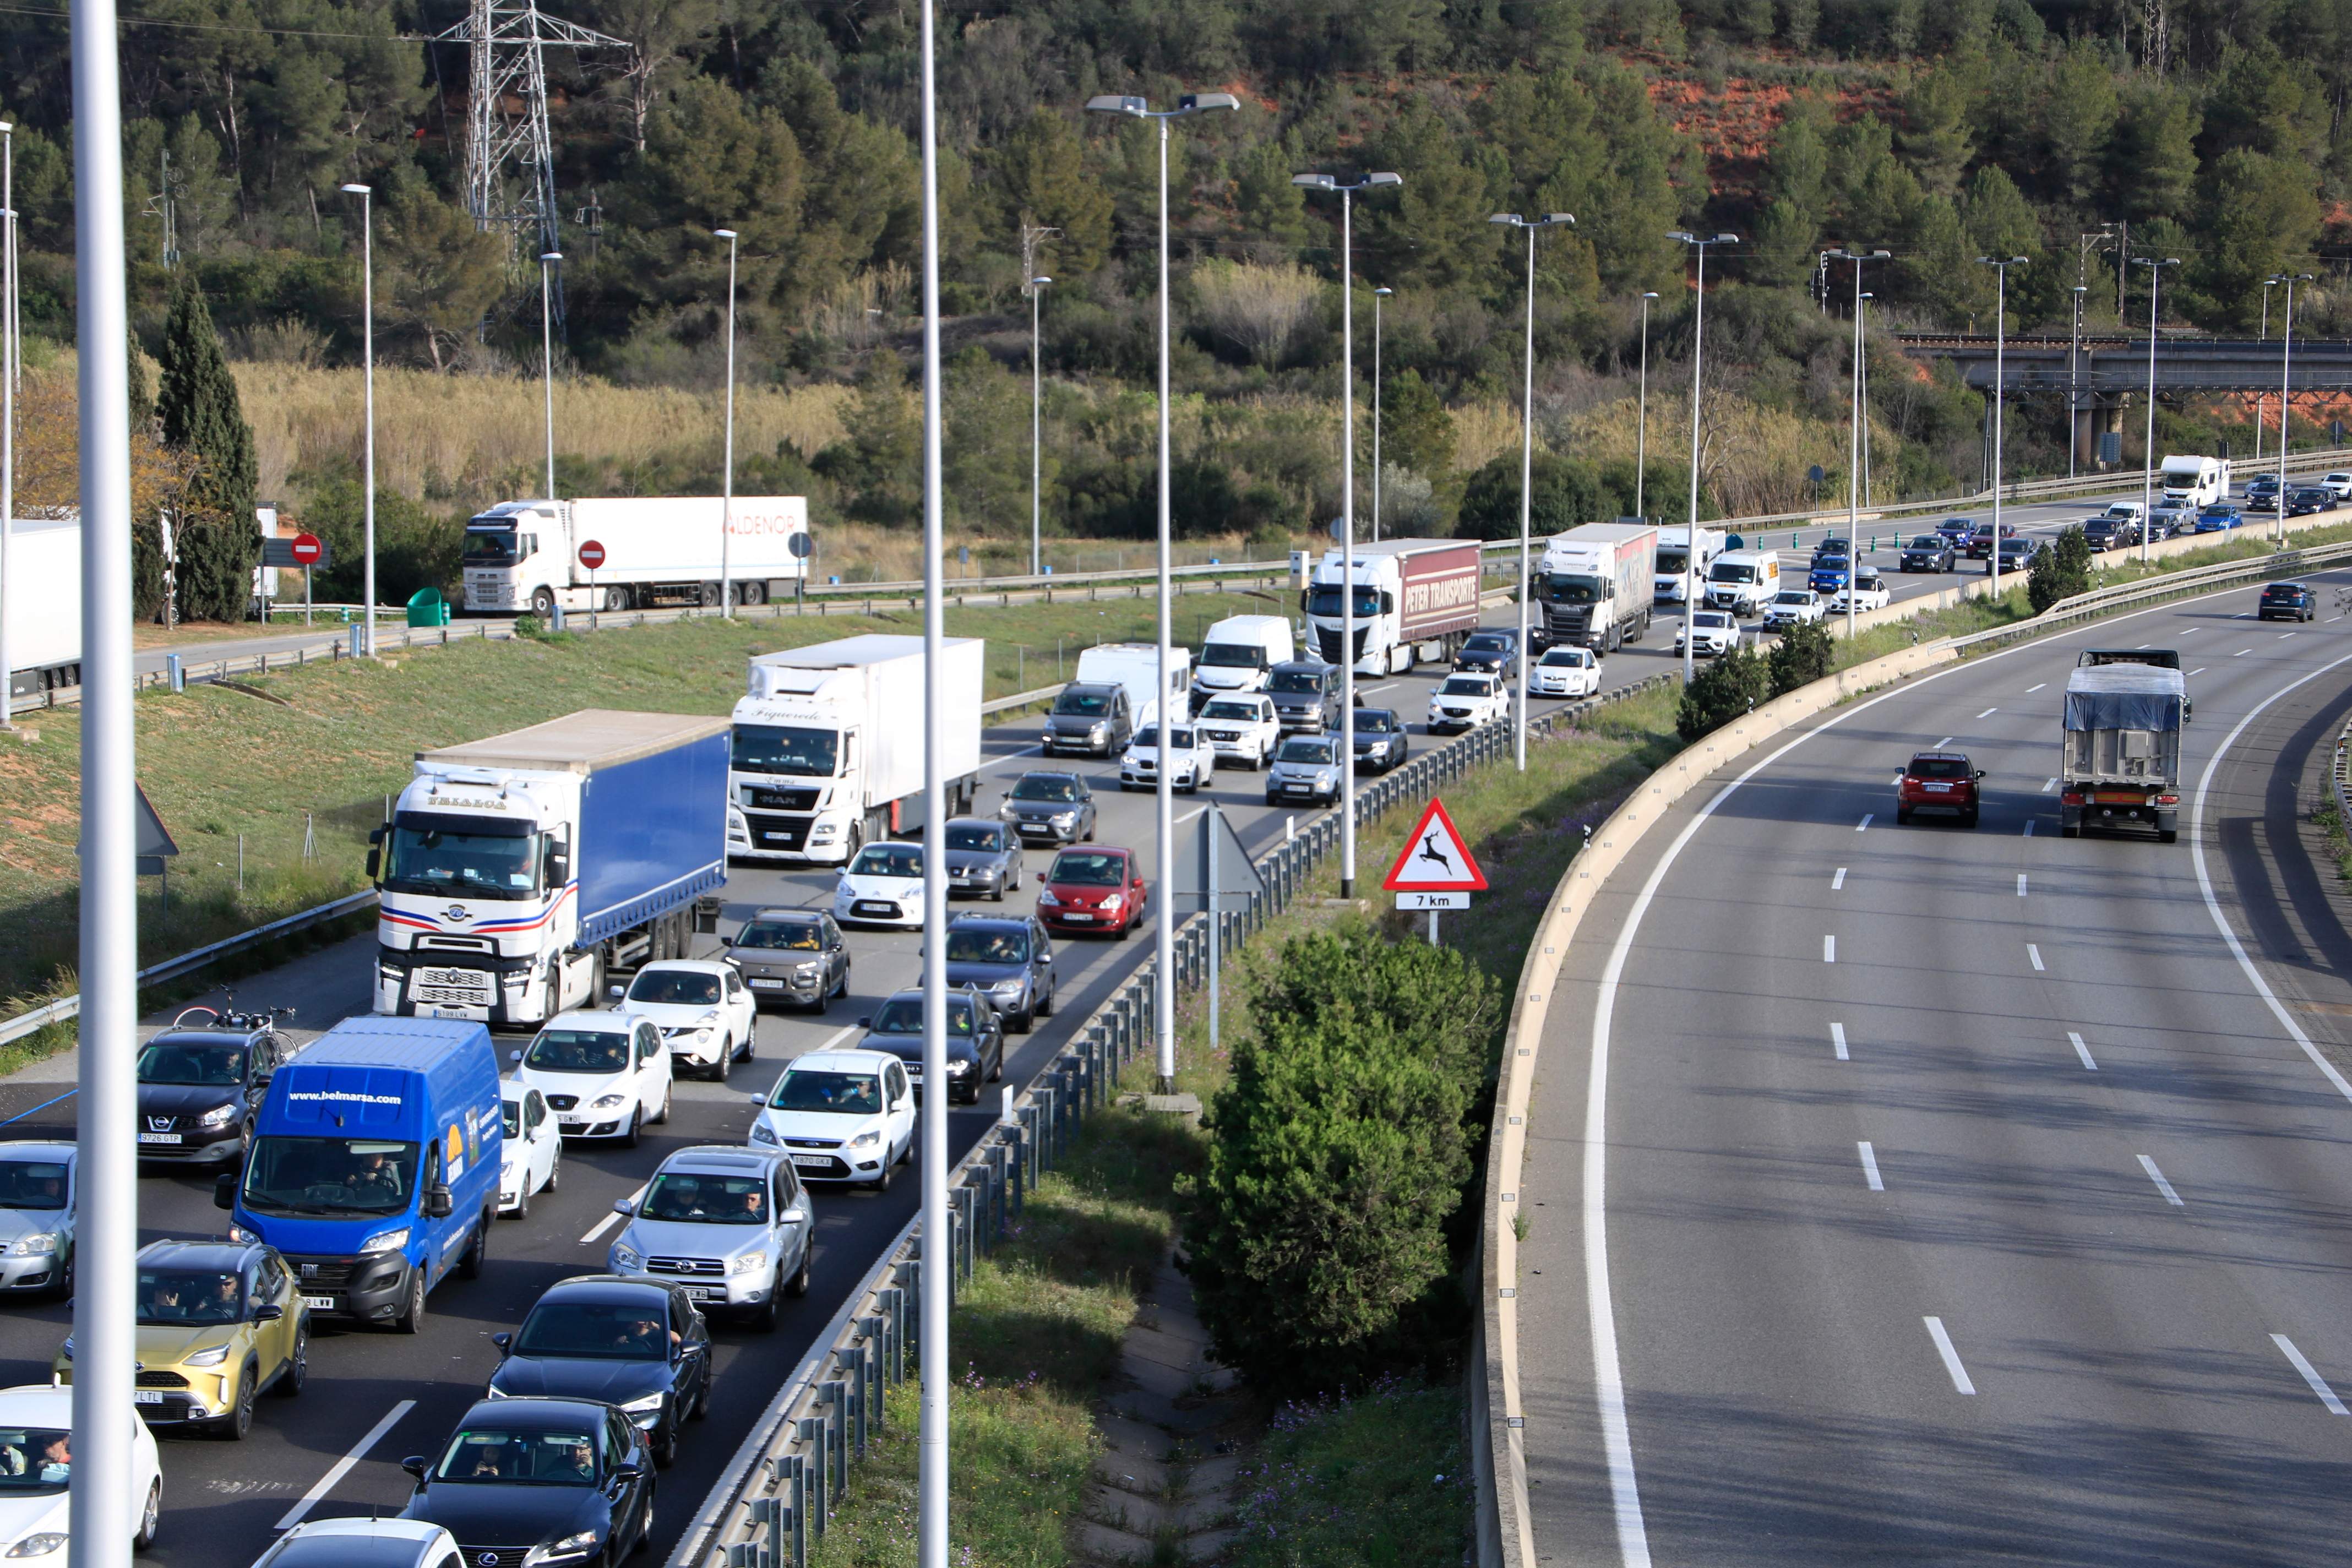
point(490, 547)
point(441, 857)
point(1574, 588)
point(1233, 655)
point(329, 1175)
point(785, 749)
point(1324, 600)
point(1731, 572)
point(1674, 559)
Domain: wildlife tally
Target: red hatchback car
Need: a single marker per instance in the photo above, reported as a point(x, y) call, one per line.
point(1093, 890)
point(1938, 782)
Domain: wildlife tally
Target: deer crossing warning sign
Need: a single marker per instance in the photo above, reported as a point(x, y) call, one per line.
point(1435, 859)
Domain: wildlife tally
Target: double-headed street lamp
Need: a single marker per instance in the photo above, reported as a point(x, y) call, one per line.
point(1853, 442)
point(2286, 365)
point(2000, 266)
point(1527, 470)
point(366, 194)
point(1163, 993)
point(1642, 430)
point(1037, 287)
point(727, 492)
point(2147, 480)
point(1348, 654)
point(1698, 347)
point(1378, 295)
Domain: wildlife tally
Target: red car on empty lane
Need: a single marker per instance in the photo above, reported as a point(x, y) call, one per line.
point(1938, 782)
point(1090, 889)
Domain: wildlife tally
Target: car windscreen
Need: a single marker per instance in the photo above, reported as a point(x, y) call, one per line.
point(706, 1197)
point(442, 859)
point(329, 1175)
point(1050, 788)
point(32, 1184)
point(1147, 737)
point(904, 1015)
point(1295, 682)
point(683, 987)
point(969, 946)
point(1244, 712)
point(578, 1050)
point(182, 1296)
point(1487, 642)
point(888, 860)
point(1927, 541)
point(1083, 704)
point(35, 1460)
point(1374, 721)
point(597, 1330)
point(219, 1063)
point(792, 936)
point(787, 749)
point(1731, 572)
point(1565, 658)
point(1304, 751)
point(974, 836)
point(840, 1093)
point(540, 1457)
point(1711, 618)
point(1465, 686)
point(1233, 655)
point(1939, 768)
point(1799, 597)
point(1086, 869)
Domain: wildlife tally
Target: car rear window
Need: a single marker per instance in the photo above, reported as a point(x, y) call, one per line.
point(1940, 768)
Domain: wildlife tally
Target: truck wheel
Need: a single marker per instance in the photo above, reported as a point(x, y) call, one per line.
point(411, 1319)
point(542, 603)
point(2167, 835)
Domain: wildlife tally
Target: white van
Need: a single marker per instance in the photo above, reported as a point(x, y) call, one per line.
point(1743, 581)
point(1237, 652)
point(1136, 666)
point(2199, 481)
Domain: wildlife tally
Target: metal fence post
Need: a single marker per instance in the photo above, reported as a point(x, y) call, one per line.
point(820, 1496)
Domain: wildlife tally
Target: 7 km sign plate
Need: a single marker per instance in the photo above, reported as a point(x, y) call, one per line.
point(1435, 859)
point(1417, 902)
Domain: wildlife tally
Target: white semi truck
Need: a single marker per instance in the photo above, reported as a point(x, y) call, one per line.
point(524, 556)
point(1415, 599)
point(1594, 585)
point(517, 870)
point(43, 622)
point(1679, 565)
point(828, 746)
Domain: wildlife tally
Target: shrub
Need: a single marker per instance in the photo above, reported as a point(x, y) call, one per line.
point(2060, 571)
point(1804, 653)
point(1734, 684)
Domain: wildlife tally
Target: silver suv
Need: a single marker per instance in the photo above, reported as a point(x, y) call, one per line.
point(730, 1224)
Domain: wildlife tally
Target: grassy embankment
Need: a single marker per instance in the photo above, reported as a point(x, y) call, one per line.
point(1333, 1484)
point(223, 767)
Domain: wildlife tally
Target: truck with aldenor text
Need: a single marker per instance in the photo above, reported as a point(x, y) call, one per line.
point(524, 556)
point(1595, 585)
point(828, 746)
point(1413, 599)
point(2119, 762)
point(517, 870)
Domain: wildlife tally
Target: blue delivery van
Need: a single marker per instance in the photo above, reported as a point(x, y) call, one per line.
point(375, 1166)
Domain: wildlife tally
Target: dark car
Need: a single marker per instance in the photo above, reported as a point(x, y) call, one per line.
point(2287, 601)
point(2017, 555)
point(1094, 889)
point(1834, 544)
point(1958, 530)
point(1940, 782)
point(2309, 499)
point(1050, 808)
point(1490, 653)
point(1927, 553)
point(639, 1344)
point(1979, 545)
point(975, 1039)
point(984, 858)
point(1089, 718)
point(1009, 959)
point(1306, 695)
point(2262, 487)
point(2106, 534)
point(519, 1475)
point(792, 955)
point(198, 1091)
point(1381, 742)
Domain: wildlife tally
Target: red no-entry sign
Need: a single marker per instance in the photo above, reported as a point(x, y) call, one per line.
point(591, 555)
point(307, 549)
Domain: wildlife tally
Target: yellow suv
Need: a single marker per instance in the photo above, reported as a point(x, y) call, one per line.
point(219, 1322)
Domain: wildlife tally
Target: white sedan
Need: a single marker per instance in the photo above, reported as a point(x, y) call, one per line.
point(843, 1116)
point(1242, 728)
point(532, 1161)
point(882, 887)
point(2338, 484)
point(36, 1460)
point(1464, 701)
point(1869, 591)
point(704, 1012)
point(1565, 672)
point(1711, 632)
point(1791, 605)
point(605, 1075)
point(1191, 759)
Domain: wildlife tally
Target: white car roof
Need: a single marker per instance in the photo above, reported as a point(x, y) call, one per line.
point(847, 1059)
point(594, 1020)
point(716, 968)
point(37, 1404)
point(356, 1528)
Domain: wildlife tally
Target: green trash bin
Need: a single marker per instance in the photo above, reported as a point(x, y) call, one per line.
point(427, 607)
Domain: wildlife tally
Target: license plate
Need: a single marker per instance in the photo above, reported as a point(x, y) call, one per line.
point(870, 906)
point(705, 1293)
point(570, 1124)
point(818, 1160)
point(146, 1396)
point(320, 1303)
point(1939, 789)
point(159, 1138)
point(445, 1012)
point(768, 984)
point(2118, 798)
point(1077, 918)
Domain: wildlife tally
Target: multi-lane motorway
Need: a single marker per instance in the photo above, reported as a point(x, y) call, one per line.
point(1959, 1196)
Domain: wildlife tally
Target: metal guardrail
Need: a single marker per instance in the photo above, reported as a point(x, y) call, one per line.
point(777, 1492)
point(2340, 776)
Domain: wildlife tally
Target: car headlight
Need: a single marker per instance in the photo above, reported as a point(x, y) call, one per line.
point(1114, 901)
point(578, 1546)
point(761, 1134)
point(35, 1246)
point(384, 1241)
point(39, 1545)
point(625, 1259)
point(867, 1139)
point(218, 1116)
point(1045, 897)
point(1005, 988)
point(750, 1263)
point(962, 1067)
point(212, 1357)
point(1096, 731)
point(650, 1403)
point(495, 1391)
point(607, 1101)
point(237, 1233)
point(806, 971)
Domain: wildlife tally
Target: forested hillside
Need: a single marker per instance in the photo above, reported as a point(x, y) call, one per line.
point(2210, 130)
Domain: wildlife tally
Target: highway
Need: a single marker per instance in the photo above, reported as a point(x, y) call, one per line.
point(1959, 1196)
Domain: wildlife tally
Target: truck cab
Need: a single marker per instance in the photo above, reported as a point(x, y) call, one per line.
point(513, 557)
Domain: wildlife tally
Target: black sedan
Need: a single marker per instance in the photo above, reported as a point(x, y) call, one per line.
point(975, 1039)
point(1052, 809)
point(2310, 499)
point(1490, 652)
point(1927, 553)
point(984, 858)
point(198, 1091)
point(545, 1481)
point(792, 955)
point(639, 1344)
point(1010, 959)
point(1381, 742)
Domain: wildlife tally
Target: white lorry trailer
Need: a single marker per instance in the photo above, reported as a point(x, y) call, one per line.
point(1679, 565)
point(2195, 481)
point(524, 556)
point(828, 746)
point(1594, 585)
point(517, 870)
point(43, 623)
point(1415, 599)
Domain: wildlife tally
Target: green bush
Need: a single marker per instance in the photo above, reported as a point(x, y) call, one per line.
point(1734, 684)
point(1804, 653)
point(2061, 571)
point(1319, 1239)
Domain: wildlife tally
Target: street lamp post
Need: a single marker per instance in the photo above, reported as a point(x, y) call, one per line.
point(2000, 266)
point(1378, 295)
point(1698, 346)
point(1641, 437)
point(7, 402)
point(546, 262)
point(2147, 480)
point(1856, 416)
point(726, 484)
point(2075, 380)
point(2268, 284)
point(1163, 838)
point(2286, 365)
point(1037, 287)
point(1526, 470)
point(1347, 506)
point(366, 194)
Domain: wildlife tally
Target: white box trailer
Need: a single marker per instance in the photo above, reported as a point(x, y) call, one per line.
point(828, 745)
point(43, 621)
point(524, 556)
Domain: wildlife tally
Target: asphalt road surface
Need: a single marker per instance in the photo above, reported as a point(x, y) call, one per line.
point(1966, 1196)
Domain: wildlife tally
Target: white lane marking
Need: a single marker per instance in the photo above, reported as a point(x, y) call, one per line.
point(1837, 1040)
point(1951, 1357)
point(1866, 821)
point(2284, 636)
point(2049, 785)
point(2310, 1375)
point(1942, 743)
point(2241, 653)
point(1987, 712)
point(2034, 953)
point(1838, 881)
point(2020, 877)
point(2161, 1184)
point(614, 1218)
point(2333, 619)
point(1829, 949)
point(1368, 691)
point(1869, 1166)
point(2192, 631)
point(2083, 1051)
point(2213, 904)
point(2028, 833)
point(2035, 686)
point(342, 1467)
point(2200, 669)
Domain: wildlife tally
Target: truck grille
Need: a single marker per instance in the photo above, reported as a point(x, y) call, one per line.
point(452, 987)
point(770, 831)
point(697, 1267)
point(780, 799)
point(1327, 643)
point(321, 1274)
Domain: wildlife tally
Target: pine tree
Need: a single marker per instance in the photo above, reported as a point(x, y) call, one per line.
point(196, 405)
